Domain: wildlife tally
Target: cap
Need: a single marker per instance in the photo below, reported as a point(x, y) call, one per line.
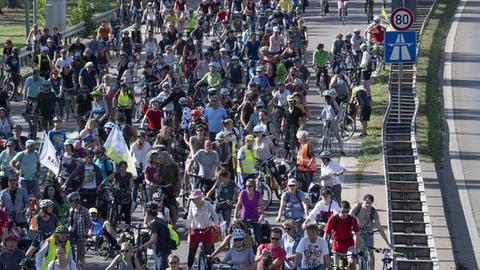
point(11, 237)
point(69, 142)
point(17, 126)
point(30, 142)
point(57, 119)
point(257, 129)
point(89, 64)
point(292, 182)
point(276, 29)
point(3, 109)
point(249, 137)
point(219, 136)
point(196, 193)
point(211, 64)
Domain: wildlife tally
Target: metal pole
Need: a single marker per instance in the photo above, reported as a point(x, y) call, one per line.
point(35, 12)
point(27, 17)
point(400, 74)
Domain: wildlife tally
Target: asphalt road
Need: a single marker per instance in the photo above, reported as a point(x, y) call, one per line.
point(461, 82)
point(321, 30)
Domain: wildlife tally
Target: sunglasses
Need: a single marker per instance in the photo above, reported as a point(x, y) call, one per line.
point(173, 262)
point(274, 238)
point(287, 229)
point(125, 250)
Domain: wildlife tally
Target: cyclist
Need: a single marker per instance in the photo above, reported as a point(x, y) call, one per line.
point(330, 114)
point(46, 100)
point(88, 76)
point(293, 121)
point(312, 251)
point(340, 83)
point(341, 226)
point(225, 192)
point(331, 171)
point(293, 204)
point(12, 67)
point(289, 242)
point(305, 159)
point(6, 124)
point(17, 209)
point(116, 25)
point(240, 256)
point(126, 259)
point(324, 208)
point(5, 157)
point(320, 61)
point(79, 225)
point(124, 100)
point(208, 161)
point(11, 255)
point(212, 78)
point(46, 252)
point(45, 222)
point(43, 62)
point(361, 99)
point(368, 219)
point(357, 41)
point(366, 68)
point(32, 85)
point(199, 224)
point(246, 159)
point(26, 165)
point(104, 32)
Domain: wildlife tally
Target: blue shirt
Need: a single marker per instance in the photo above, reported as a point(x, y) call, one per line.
point(263, 81)
point(253, 49)
point(97, 227)
point(104, 165)
point(215, 118)
point(28, 164)
point(57, 137)
point(290, 246)
point(33, 86)
point(89, 78)
point(4, 162)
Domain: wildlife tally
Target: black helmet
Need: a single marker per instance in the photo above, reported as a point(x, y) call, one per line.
point(152, 208)
point(74, 196)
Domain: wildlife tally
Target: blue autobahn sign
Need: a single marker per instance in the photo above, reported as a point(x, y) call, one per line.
point(400, 47)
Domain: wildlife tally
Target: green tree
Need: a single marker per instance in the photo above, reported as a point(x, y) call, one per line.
point(83, 13)
point(41, 4)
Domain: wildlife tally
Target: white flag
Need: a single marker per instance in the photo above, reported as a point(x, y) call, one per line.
point(48, 155)
point(117, 149)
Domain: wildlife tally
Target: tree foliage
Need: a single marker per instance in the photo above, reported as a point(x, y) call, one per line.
point(83, 13)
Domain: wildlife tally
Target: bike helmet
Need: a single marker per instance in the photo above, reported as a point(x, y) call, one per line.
point(152, 208)
point(157, 196)
point(238, 234)
point(327, 93)
point(325, 191)
point(298, 82)
point(196, 112)
point(183, 101)
point(259, 129)
point(224, 92)
point(349, 35)
point(376, 19)
point(212, 91)
point(61, 229)
point(46, 83)
point(99, 149)
point(259, 104)
point(109, 125)
point(46, 203)
point(325, 154)
point(93, 210)
point(74, 196)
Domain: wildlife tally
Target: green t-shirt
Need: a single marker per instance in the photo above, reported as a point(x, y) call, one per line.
point(212, 79)
point(281, 73)
point(320, 58)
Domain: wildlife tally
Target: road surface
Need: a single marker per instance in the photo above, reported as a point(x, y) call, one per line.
point(462, 102)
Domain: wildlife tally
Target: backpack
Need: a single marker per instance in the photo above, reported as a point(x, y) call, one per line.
point(337, 218)
point(359, 207)
point(174, 239)
point(290, 205)
point(265, 230)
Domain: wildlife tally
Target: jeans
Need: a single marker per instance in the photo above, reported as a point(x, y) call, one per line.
point(337, 193)
point(226, 214)
point(307, 180)
point(161, 261)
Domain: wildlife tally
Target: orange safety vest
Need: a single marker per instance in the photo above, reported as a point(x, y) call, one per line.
point(304, 159)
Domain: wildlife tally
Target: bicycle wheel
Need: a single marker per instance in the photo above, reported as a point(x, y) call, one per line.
point(266, 192)
point(347, 127)
point(363, 263)
point(202, 260)
point(10, 88)
point(103, 247)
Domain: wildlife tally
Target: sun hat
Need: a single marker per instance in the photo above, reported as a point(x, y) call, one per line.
point(196, 193)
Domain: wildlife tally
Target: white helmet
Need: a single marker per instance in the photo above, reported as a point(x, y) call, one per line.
point(224, 91)
point(327, 93)
point(183, 101)
point(46, 203)
point(376, 19)
point(238, 234)
point(258, 129)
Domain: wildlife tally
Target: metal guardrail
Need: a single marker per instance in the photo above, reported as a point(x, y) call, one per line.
point(67, 34)
point(408, 216)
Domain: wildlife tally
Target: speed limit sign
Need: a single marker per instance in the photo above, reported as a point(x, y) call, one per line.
point(401, 19)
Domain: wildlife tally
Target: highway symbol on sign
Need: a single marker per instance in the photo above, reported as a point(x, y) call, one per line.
point(400, 47)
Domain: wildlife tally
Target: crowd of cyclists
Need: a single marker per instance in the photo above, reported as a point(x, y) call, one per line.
point(214, 112)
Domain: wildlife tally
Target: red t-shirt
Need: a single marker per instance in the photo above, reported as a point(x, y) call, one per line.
point(154, 119)
point(342, 236)
point(3, 221)
point(221, 15)
point(277, 253)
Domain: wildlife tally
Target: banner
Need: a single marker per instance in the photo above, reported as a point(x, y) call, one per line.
point(48, 155)
point(117, 149)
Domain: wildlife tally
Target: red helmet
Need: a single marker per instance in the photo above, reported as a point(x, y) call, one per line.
point(54, 71)
point(196, 112)
point(8, 41)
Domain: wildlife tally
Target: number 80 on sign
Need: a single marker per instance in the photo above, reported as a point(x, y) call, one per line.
point(401, 19)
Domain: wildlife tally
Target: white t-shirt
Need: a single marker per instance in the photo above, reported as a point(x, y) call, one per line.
point(62, 62)
point(331, 168)
point(185, 117)
point(321, 208)
point(70, 266)
point(312, 253)
point(89, 179)
point(281, 97)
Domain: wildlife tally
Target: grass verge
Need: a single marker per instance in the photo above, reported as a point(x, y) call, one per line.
point(371, 146)
point(430, 129)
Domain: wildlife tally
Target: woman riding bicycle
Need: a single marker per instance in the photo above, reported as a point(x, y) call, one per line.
point(240, 256)
point(251, 200)
point(126, 260)
point(60, 207)
point(199, 224)
point(124, 181)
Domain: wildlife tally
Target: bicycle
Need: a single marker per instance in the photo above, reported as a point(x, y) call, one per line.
point(347, 124)
point(202, 259)
point(322, 78)
point(275, 184)
point(388, 256)
point(10, 84)
point(69, 106)
point(264, 189)
point(340, 260)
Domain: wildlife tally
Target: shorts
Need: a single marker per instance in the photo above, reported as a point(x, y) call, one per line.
point(336, 258)
point(31, 186)
point(366, 74)
point(201, 235)
point(341, 3)
point(364, 114)
point(367, 239)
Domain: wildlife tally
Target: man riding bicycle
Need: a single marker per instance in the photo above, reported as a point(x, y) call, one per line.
point(124, 100)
